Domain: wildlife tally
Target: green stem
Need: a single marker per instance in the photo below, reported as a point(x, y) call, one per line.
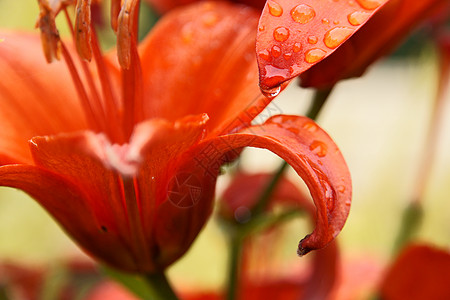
point(162, 290)
point(411, 220)
point(319, 99)
point(236, 243)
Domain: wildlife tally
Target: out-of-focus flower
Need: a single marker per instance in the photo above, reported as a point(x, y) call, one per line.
point(326, 41)
point(125, 156)
point(419, 272)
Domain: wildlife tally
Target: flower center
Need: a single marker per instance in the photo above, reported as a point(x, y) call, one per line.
point(107, 109)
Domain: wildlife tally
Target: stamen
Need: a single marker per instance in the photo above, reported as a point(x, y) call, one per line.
point(83, 29)
point(90, 116)
point(49, 34)
point(127, 31)
point(115, 10)
point(131, 67)
point(131, 199)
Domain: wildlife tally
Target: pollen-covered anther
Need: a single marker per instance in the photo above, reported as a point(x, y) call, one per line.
point(127, 31)
point(49, 34)
point(83, 29)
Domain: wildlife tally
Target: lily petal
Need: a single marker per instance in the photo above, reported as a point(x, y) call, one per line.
point(313, 155)
point(67, 204)
point(201, 60)
point(30, 104)
point(370, 42)
point(420, 272)
point(294, 35)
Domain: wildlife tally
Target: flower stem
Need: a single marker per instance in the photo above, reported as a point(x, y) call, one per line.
point(234, 266)
point(162, 290)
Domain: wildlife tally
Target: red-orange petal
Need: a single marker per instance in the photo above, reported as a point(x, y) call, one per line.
point(200, 59)
point(294, 35)
point(315, 157)
point(69, 205)
point(380, 35)
point(420, 272)
point(36, 98)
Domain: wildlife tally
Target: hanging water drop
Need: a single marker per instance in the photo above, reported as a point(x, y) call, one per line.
point(276, 51)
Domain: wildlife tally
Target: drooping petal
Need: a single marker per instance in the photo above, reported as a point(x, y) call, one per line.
point(294, 35)
point(371, 42)
point(201, 60)
point(35, 98)
point(314, 156)
point(68, 204)
point(420, 272)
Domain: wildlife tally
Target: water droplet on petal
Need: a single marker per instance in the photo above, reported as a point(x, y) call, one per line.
point(341, 189)
point(351, 3)
point(276, 51)
point(348, 202)
point(312, 39)
point(287, 56)
point(281, 34)
point(358, 17)
point(370, 4)
point(302, 13)
point(261, 28)
point(271, 93)
point(314, 55)
point(334, 37)
point(329, 195)
point(335, 22)
point(297, 47)
point(264, 54)
point(325, 21)
point(275, 9)
point(318, 148)
point(310, 126)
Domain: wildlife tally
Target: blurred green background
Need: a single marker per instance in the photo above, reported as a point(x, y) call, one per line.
point(379, 121)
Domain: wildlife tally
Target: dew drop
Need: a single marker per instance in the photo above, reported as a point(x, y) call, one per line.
point(341, 189)
point(271, 93)
point(302, 13)
point(297, 47)
point(370, 4)
point(348, 202)
point(261, 28)
point(281, 34)
point(314, 55)
point(313, 39)
point(276, 51)
point(335, 22)
point(310, 126)
point(351, 3)
point(334, 37)
point(325, 21)
point(264, 54)
point(275, 9)
point(287, 56)
point(329, 195)
point(318, 148)
point(358, 17)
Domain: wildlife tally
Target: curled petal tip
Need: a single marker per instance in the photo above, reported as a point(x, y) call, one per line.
point(301, 251)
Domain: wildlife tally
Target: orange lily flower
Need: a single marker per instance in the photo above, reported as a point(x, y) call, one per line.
point(325, 41)
point(125, 156)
